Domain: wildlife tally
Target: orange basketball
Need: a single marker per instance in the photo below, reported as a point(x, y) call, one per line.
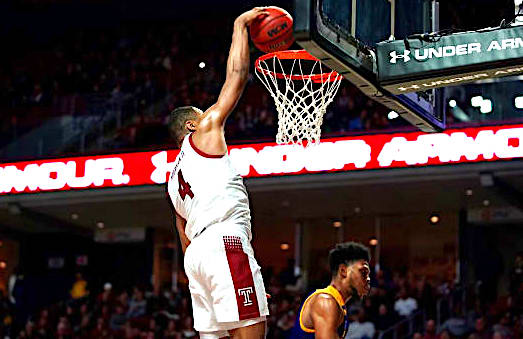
point(273, 32)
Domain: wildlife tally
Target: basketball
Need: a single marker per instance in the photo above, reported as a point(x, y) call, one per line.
point(273, 32)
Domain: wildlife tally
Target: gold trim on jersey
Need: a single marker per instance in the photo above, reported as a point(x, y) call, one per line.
point(330, 290)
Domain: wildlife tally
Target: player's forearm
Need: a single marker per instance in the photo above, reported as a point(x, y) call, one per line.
point(183, 241)
point(180, 228)
point(237, 73)
point(238, 61)
point(184, 245)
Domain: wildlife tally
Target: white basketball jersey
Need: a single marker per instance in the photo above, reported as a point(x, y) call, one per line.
point(207, 190)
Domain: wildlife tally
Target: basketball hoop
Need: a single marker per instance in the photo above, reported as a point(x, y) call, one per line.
point(301, 94)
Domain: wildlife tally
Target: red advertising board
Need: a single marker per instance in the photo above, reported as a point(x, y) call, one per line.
point(364, 152)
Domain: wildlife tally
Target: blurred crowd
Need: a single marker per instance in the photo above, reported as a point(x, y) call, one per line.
point(140, 71)
point(405, 305)
point(401, 305)
point(143, 71)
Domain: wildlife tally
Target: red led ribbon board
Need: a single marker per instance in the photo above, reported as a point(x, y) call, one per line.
point(364, 152)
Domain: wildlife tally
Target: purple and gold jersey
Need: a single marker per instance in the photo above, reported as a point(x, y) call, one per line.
point(301, 332)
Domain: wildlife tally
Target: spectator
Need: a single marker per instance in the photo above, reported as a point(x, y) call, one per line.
point(75, 321)
point(118, 319)
point(516, 274)
point(171, 332)
point(63, 329)
point(84, 310)
point(184, 307)
point(100, 330)
point(153, 331)
point(18, 296)
point(105, 313)
point(456, 325)
point(137, 305)
point(29, 330)
point(171, 302)
point(430, 330)
point(444, 335)
point(480, 329)
point(82, 330)
point(425, 296)
point(361, 328)
point(286, 322)
point(503, 326)
point(385, 319)
point(370, 308)
point(13, 278)
point(187, 328)
point(123, 300)
point(405, 305)
point(130, 332)
point(79, 289)
point(106, 297)
point(43, 324)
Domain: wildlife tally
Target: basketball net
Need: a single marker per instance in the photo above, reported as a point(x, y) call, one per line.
point(302, 94)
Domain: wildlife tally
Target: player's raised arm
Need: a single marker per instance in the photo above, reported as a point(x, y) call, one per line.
point(237, 72)
point(325, 317)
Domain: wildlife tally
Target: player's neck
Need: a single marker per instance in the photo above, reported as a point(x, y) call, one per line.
point(346, 295)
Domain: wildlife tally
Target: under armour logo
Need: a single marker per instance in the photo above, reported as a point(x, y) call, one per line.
point(394, 56)
point(162, 167)
point(246, 294)
point(408, 88)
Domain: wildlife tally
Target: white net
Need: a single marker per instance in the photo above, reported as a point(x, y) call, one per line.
point(302, 94)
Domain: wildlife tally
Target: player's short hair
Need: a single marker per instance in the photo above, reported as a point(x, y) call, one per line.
point(347, 253)
point(179, 116)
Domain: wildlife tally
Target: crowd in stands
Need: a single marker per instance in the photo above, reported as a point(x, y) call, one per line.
point(140, 71)
point(143, 72)
point(396, 298)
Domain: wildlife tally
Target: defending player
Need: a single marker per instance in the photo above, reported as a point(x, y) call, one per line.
point(212, 210)
point(323, 314)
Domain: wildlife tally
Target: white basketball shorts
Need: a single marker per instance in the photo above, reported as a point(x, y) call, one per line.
point(225, 281)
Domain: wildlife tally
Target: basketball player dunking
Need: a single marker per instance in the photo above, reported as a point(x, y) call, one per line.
point(323, 314)
point(212, 210)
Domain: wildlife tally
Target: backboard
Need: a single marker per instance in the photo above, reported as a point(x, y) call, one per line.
point(343, 34)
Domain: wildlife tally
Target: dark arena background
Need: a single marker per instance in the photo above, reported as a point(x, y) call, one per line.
point(88, 247)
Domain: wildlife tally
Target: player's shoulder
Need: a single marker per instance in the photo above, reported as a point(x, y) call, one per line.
point(325, 302)
point(211, 120)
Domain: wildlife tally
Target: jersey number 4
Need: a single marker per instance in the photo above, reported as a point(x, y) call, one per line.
point(183, 187)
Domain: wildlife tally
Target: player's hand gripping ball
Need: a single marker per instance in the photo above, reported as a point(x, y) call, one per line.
point(272, 32)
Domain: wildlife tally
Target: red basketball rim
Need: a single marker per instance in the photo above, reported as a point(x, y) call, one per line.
point(295, 54)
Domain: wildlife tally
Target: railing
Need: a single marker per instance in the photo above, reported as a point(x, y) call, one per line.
point(447, 305)
point(116, 113)
point(405, 328)
point(37, 142)
point(104, 114)
point(71, 131)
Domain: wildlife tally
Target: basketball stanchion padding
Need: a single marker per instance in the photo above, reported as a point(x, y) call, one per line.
point(302, 88)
